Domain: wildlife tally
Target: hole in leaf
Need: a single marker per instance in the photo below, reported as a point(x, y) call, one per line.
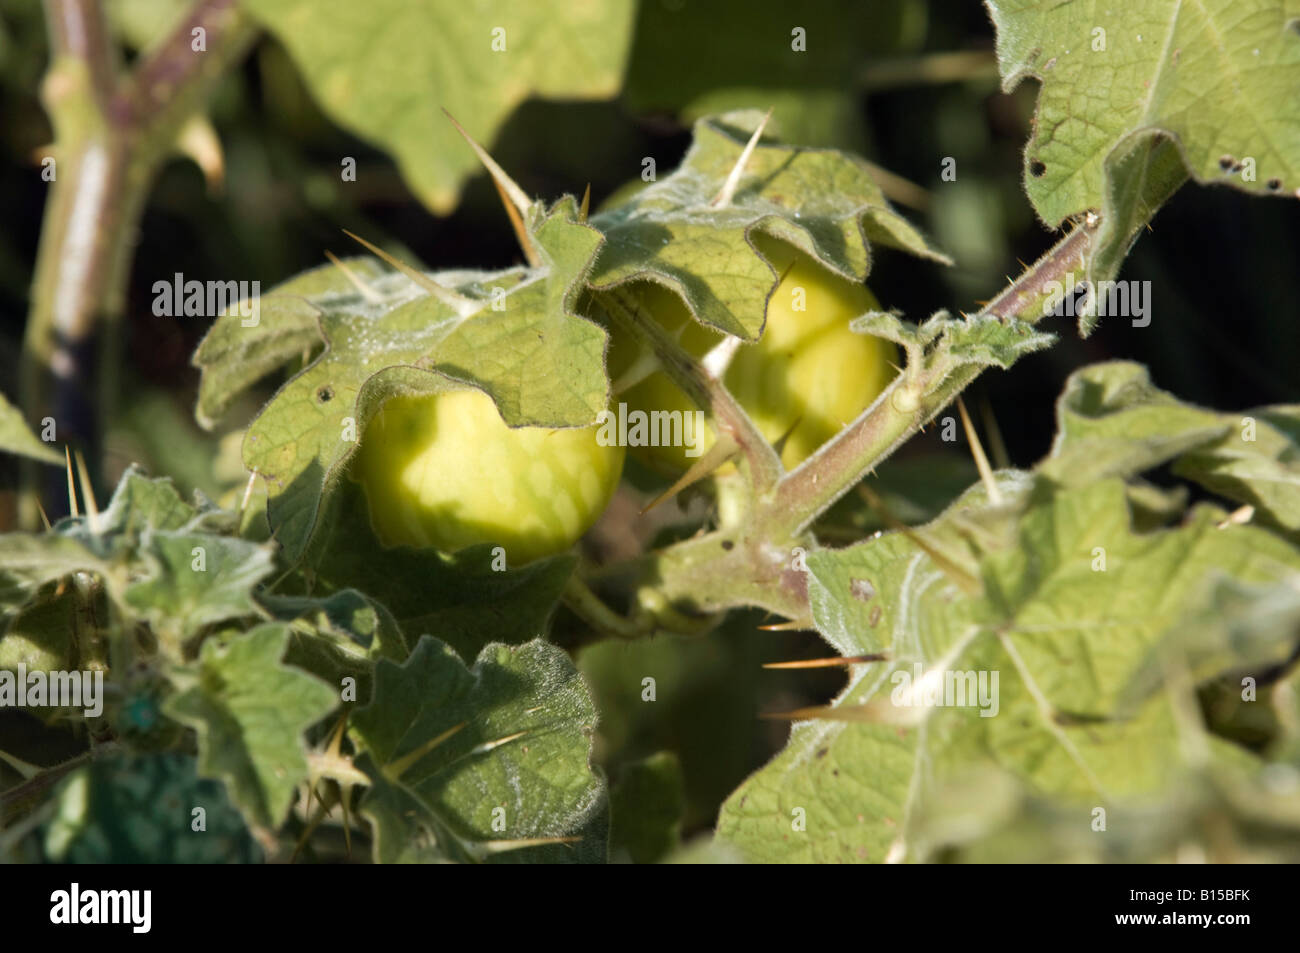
point(325, 394)
point(1037, 168)
point(1226, 162)
point(728, 545)
point(1274, 184)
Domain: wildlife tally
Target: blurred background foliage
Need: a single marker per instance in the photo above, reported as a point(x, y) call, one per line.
point(905, 83)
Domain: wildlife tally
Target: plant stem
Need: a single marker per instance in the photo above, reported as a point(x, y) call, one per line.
point(754, 567)
point(705, 390)
point(18, 799)
point(909, 403)
point(112, 133)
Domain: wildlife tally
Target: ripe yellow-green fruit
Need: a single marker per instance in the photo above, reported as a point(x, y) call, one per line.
point(808, 375)
point(445, 471)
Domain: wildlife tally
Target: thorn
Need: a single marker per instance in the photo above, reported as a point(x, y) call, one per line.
point(25, 770)
point(520, 230)
point(832, 662)
point(794, 625)
point(367, 292)
point(728, 190)
point(487, 746)
point(516, 195)
point(399, 766)
point(898, 189)
point(586, 205)
point(248, 492)
point(44, 519)
point(72, 490)
point(501, 846)
point(1238, 517)
point(198, 140)
point(779, 443)
point(335, 749)
point(723, 449)
point(718, 358)
point(88, 493)
point(977, 451)
point(964, 580)
point(825, 713)
point(458, 303)
point(1000, 456)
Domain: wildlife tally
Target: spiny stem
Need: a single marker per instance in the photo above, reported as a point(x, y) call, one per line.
point(723, 570)
point(17, 800)
point(705, 390)
point(113, 130)
point(909, 403)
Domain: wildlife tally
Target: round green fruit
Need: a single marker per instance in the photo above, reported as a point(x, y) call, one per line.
point(444, 470)
point(808, 375)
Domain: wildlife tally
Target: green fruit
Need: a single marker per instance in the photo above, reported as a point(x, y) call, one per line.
point(444, 470)
point(808, 375)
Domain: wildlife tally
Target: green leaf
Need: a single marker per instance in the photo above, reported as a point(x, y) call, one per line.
point(1246, 629)
point(986, 340)
point(140, 810)
point(240, 350)
point(1215, 816)
point(820, 200)
point(29, 561)
point(1206, 87)
point(191, 580)
point(141, 503)
point(1112, 421)
point(338, 637)
point(471, 760)
point(1064, 634)
point(1139, 179)
point(646, 806)
point(460, 596)
point(514, 335)
point(1257, 462)
point(250, 712)
point(357, 60)
point(16, 437)
point(40, 636)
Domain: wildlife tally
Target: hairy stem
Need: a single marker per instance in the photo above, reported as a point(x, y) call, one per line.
point(754, 566)
point(21, 798)
point(909, 403)
point(705, 390)
point(112, 133)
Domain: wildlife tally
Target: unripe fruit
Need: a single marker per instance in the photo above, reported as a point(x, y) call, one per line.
point(444, 470)
point(808, 372)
